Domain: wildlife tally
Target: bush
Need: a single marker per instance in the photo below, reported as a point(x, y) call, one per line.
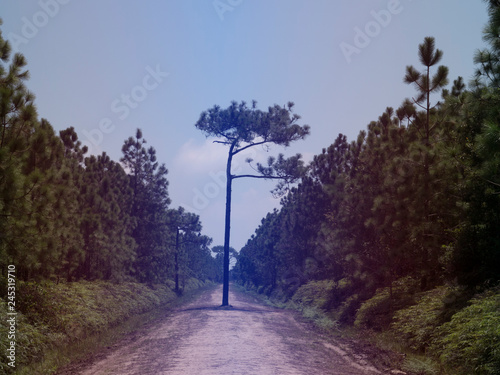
point(314, 293)
point(343, 290)
point(193, 284)
point(319, 317)
point(37, 305)
point(470, 342)
point(278, 295)
point(377, 312)
point(312, 300)
point(346, 313)
point(31, 340)
point(415, 326)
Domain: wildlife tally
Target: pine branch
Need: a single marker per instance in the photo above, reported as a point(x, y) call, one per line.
point(491, 182)
point(257, 176)
point(420, 105)
point(251, 145)
point(223, 142)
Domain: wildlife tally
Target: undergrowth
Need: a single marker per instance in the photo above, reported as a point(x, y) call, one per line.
point(471, 340)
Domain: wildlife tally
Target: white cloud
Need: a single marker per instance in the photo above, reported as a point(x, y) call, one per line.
point(195, 157)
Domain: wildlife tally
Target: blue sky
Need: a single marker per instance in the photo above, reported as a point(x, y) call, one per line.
point(108, 67)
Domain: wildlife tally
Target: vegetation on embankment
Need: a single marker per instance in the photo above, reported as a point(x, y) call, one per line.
point(446, 330)
point(51, 317)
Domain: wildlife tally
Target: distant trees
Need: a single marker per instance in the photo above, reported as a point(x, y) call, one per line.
point(191, 247)
point(218, 251)
point(258, 261)
point(241, 127)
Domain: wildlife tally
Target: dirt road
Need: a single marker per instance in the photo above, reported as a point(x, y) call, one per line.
point(249, 338)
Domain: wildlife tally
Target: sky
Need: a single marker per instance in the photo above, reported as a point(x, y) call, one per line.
point(108, 67)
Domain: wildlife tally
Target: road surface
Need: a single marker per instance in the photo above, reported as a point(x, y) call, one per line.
point(249, 338)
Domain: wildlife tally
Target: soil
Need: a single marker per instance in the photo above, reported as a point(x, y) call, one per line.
point(202, 338)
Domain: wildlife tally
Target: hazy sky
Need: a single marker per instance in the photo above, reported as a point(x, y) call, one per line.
point(108, 67)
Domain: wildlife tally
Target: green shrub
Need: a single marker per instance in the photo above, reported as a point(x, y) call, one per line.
point(192, 284)
point(424, 366)
point(37, 303)
point(470, 342)
point(4, 342)
point(31, 340)
point(343, 290)
point(314, 293)
point(346, 313)
point(377, 312)
point(319, 317)
point(278, 295)
point(415, 326)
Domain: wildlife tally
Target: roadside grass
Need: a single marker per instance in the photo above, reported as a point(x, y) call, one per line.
point(319, 317)
point(81, 349)
point(421, 366)
point(65, 323)
point(414, 363)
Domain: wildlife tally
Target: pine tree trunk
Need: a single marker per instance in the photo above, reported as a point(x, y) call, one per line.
point(177, 261)
point(229, 180)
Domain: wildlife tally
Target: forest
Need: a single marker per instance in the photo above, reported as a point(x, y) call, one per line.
point(401, 222)
point(416, 195)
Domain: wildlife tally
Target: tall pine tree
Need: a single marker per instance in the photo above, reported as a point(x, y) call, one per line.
point(150, 202)
point(240, 128)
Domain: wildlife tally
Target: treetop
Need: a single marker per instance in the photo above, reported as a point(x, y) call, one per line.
point(240, 123)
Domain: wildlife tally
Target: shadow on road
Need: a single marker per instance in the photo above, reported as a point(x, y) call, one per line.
point(226, 308)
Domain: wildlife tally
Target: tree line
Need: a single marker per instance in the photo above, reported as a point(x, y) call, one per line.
point(415, 196)
point(68, 215)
